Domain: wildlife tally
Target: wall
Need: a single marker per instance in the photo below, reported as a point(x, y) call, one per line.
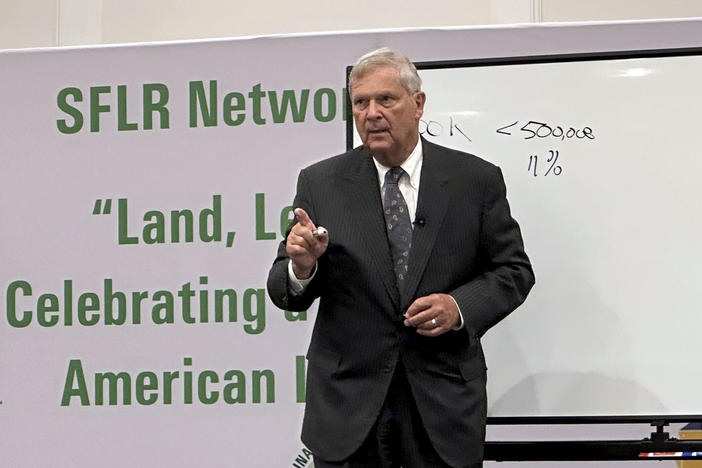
point(49, 23)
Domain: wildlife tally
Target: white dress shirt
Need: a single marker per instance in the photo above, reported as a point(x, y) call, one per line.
point(409, 182)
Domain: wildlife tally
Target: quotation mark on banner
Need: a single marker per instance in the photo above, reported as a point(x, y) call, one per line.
point(173, 226)
point(107, 209)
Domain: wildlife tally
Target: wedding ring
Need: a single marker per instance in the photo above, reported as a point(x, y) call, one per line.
point(433, 321)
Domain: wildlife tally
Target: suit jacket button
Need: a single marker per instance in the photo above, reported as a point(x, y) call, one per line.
point(387, 369)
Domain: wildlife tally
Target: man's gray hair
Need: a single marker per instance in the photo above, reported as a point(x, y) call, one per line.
point(386, 57)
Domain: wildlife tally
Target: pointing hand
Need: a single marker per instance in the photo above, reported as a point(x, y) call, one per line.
point(305, 244)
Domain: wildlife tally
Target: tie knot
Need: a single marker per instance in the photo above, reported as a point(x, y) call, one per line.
point(393, 175)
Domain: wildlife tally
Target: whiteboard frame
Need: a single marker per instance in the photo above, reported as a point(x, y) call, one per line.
point(653, 419)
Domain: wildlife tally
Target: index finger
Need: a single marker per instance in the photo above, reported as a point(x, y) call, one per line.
point(418, 306)
point(303, 218)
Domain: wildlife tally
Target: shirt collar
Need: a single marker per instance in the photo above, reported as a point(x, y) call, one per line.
point(412, 166)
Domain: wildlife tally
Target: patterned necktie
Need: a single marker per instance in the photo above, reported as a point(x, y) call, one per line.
point(397, 222)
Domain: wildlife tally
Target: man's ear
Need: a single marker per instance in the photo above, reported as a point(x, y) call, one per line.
point(419, 99)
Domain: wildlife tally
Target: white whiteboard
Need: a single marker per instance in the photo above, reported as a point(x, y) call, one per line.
point(609, 198)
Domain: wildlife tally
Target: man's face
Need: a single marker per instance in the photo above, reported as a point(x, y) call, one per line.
point(386, 115)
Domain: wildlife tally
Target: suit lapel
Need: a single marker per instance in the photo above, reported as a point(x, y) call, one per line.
point(431, 207)
point(360, 186)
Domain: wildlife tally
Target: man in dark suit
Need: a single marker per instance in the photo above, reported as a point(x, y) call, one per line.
point(420, 257)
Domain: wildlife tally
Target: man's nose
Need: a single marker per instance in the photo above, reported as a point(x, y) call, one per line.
point(373, 110)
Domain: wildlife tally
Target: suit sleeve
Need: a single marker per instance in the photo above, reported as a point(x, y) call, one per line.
point(278, 279)
point(507, 275)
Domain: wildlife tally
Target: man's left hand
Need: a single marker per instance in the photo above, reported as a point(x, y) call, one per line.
point(433, 315)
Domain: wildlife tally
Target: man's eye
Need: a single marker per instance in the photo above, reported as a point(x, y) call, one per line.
point(360, 103)
point(387, 100)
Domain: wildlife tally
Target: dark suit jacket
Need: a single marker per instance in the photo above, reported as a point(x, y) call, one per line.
point(469, 246)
